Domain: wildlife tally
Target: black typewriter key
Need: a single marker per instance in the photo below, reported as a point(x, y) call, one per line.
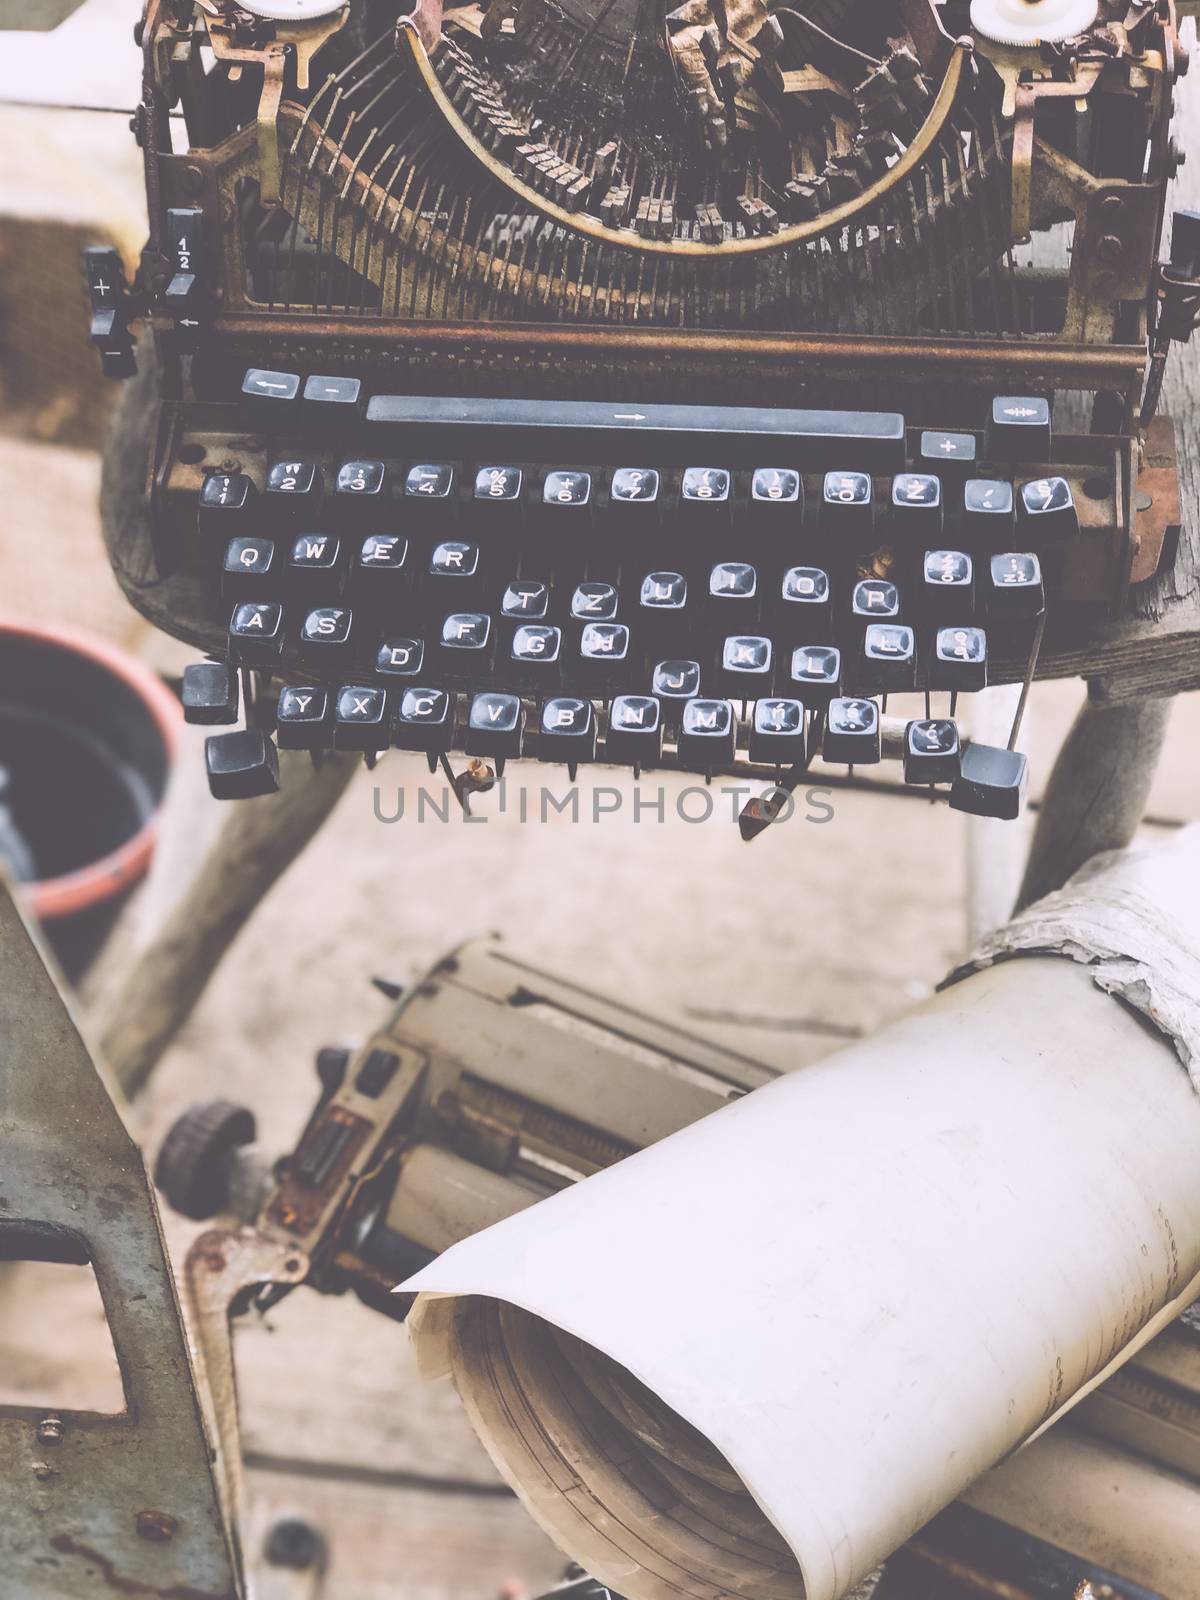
point(362, 494)
point(635, 498)
point(360, 719)
point(816, 674)
point(676, 681)
point(948, 586)
point(466, 643)
point(989, 509)
point(330, 401)
point(425, 720)
point(225, 500)
point(382, 571)
point(960, 660)
point(455, 572)
point(991, 782)
point(399, 656)
point(1016, 592)
point(745, 665)
point(776, 507)
point(950, 455)
point(873, 600)
point(889, 658)
point(187, 288)
point(778, 734)
point(376, 1072)
point(852, 733)
point(917, 505)
point(663, 603)
point(705, 501)
point(526, 600)
point(497, 497)
point(594, 601)
point(293, 490)
point(567, 730)
point(107, 291)
point(495, 726)
point(315, 568)
point(707, 734)
point(848, 506)
point(326, 634)
point(241, 765)
point(536, 655)
point(248, 571)
point(567, 502)
point(931, 751)
point(805, 606)
point(1046, 509)
point(269, 398)
point(732, 596)
point(1020, 429)
point(605, 658)
point(256, 633)
point(635, 730)
point(302, 717)
point(428, 498)
point(209, 693)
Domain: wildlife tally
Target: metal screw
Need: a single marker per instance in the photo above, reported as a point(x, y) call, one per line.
point(43, 1470)
point(157, 1526)
point(1110, 248)
point(294, 1543)
point(50, 1430)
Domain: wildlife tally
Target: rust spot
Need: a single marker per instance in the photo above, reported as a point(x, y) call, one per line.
point(65, 1545)
point(157, 1526)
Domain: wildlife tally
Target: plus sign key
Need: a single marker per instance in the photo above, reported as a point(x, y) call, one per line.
point(951, 455)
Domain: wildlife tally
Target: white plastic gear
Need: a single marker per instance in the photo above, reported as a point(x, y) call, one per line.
point(291, 10)
point(1032, 22)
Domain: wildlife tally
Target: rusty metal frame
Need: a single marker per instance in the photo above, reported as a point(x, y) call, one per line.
point(799, 357)
point(92, 1504)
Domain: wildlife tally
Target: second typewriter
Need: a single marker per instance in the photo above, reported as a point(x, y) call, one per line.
point(596, 382)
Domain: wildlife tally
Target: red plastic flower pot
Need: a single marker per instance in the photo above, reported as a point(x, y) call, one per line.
point(87, 739)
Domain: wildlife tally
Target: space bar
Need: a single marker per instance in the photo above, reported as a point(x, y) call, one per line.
point(588, 430)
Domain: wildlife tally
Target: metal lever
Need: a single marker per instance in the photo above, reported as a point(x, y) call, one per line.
point(1178, 303)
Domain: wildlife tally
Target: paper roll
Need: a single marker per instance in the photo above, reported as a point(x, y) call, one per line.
point(756, 1357)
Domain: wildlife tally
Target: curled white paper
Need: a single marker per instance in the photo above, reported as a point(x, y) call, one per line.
point(863, 1285)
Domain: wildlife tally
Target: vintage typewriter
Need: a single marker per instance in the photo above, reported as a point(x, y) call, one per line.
point(588, 380)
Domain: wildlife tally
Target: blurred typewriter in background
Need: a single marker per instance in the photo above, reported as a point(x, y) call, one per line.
point(585, 380)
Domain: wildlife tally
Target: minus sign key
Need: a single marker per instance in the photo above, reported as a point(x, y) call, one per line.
point(329, 398)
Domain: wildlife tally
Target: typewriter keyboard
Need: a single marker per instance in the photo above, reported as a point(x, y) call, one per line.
point(576, 581)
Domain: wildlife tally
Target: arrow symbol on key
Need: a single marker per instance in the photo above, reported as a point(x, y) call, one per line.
point(629, 416)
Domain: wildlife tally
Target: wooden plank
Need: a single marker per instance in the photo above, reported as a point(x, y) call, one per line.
point(421, 1544)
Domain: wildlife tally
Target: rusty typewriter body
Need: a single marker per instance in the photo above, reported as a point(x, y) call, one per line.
point(665, 388)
